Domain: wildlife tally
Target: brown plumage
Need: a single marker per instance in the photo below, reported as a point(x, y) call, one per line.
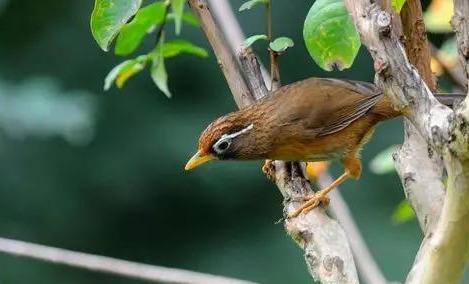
point(298, 121)
point(311, 120)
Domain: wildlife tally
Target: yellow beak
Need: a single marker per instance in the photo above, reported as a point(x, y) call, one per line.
point(198, 159)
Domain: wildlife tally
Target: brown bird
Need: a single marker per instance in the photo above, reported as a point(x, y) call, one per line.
point(312, 120)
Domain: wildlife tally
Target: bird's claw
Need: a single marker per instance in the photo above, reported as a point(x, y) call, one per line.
point(311, 203)
point(269, 169)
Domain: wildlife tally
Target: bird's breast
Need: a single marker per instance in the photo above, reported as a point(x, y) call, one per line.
point(312, 151)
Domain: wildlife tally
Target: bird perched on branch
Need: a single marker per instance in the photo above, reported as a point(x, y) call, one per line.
point(315, 119)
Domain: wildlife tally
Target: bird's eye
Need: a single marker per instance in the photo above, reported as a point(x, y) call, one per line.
point(222, 145)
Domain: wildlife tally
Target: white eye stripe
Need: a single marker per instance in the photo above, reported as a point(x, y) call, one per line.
point(236, 134)
point(226, 138)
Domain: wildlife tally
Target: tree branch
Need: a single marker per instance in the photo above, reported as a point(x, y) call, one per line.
point(460, 24)
point(110, 265)
point(328, 261)
point(225, 57)
point(416, 44)
point(421, 173)
point(399, 79)
point(423, 188)
point(443, 256)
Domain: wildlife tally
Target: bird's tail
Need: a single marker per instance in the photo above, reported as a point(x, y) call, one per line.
point(385, 110)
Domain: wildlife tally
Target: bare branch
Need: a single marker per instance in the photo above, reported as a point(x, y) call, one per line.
point(252, 69)
point(443, 255)
point(460, 24)
point(421, 172)
point(416, 44)
point(327, 251)
point(420, 168)
point(399, 79)
point(225, 57)
point(111, 265)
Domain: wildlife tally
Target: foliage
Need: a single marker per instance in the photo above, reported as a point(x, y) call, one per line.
point(178, 46)
point(122, 72)
point(330, 35)
point(132, 34)
point(249, 4)
point(178, 10)
point(252, 39)
point(281, 44)
point(158, 70)
point(110, 19)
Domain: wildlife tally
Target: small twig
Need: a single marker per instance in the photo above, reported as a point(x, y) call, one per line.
point(232, 30)
point(110, 265)
point(274, 64)
point(252, 70)
point(226, 59)
point(159, 34)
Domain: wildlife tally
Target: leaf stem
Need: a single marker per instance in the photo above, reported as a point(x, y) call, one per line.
point(274, 65)
point(163, 23)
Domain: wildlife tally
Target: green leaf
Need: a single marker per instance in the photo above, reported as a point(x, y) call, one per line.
point(178, 46)
point(125, 70)
point(281, 44)
point(403, 213)
point(108, 17)
point(178, 11)
point(252, 39)
point(383, 162)
point(158, 69)
point(188, 18)
point(191, 19)
point(145, 20)
point(249, 4)
point(397, 5)
point(330, 35)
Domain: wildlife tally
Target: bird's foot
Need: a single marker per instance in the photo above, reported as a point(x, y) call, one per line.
point(269, 169)
point(311, 203)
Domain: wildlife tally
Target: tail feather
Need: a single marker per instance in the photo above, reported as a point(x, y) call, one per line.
point(385, 110)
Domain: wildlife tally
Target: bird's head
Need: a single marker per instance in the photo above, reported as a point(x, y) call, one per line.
point(227, 138)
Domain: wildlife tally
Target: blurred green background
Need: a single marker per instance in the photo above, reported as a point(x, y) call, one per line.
point(103, 172)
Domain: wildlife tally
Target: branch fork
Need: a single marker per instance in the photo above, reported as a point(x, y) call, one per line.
point(445, 248)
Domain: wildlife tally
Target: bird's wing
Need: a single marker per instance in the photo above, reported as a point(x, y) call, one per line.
point(326, 106)
point(343, 117)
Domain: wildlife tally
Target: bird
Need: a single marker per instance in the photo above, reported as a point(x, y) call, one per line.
point(316, 119)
